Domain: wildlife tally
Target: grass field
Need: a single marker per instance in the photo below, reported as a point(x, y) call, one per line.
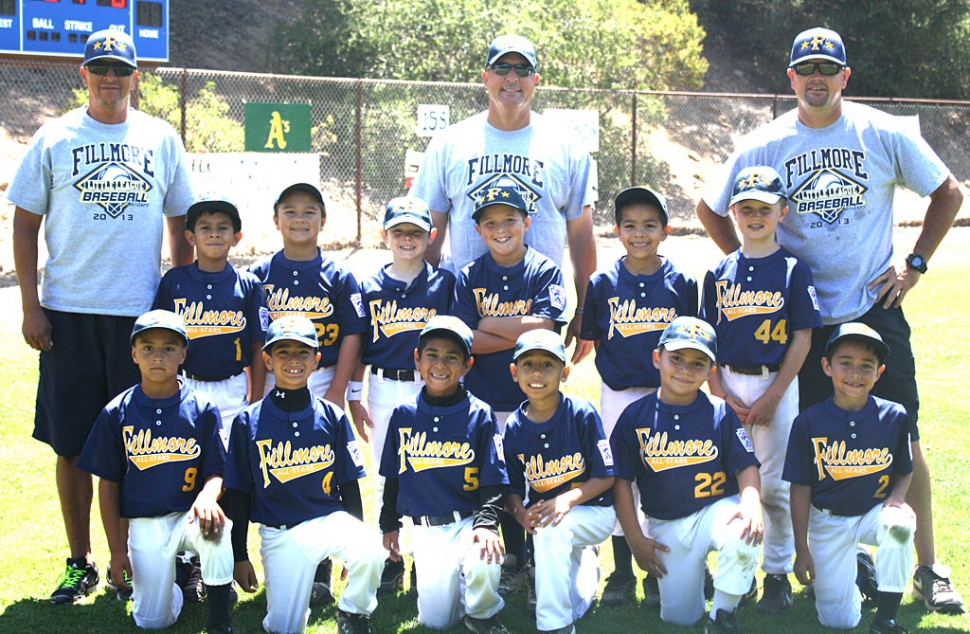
point(33, 546)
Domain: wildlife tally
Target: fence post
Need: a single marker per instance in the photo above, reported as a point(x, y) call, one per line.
point(774, 106)
point(359, 158)
point(633, 142)
point(183, 82)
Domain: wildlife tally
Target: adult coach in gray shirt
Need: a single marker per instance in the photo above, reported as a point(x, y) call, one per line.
point(509, 139)
point(100, 179)
point(841, 163)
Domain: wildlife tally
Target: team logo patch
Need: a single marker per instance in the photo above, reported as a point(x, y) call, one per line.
point(814, 296)
point(499, 446)
point(557, 296)
point(828, 193)
point(354, 450)
point(114, 187)
point(358, 305)
point(605, 451)
point(264, 318)
point(745, 440)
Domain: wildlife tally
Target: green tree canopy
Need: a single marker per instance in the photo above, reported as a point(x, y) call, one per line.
point(581, 43)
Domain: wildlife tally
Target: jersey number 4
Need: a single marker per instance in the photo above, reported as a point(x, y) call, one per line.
point(766, 334)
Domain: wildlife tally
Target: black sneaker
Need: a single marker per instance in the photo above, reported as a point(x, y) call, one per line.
point(392, 579)
point(412, 592)
point(931, 585)
point(651, 593)
point(321, 592)
point(484, 626)
point(349, 623)
point(620, 588)
point(122, 595)
point(513, 579)
point(77, 581)
point(776, 597)
point(865, 576)
point(886, 626)
point(726, 623)
point(222, 628)
point(188, 577)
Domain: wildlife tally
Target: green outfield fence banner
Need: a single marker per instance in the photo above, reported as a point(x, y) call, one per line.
point(277, 127)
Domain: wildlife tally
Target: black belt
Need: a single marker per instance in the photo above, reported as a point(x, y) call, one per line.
point(441, 520)
point(757, 370)
point(393, 374)
point(833, 513)
point(208, 379)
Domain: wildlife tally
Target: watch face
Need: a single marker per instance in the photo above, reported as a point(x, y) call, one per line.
point(917, 262)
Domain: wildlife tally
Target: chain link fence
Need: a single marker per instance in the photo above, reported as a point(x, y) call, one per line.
point(362, 129)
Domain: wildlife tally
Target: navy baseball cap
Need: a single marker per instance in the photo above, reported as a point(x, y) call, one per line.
point(857, 330)
point(540, 339)
point(757, 183)
point(406, 209)
point(504, 44)
point(292, 328)
point(110, 45)
point(818, 43)
point(503, 191)
point(158, 318)
point(641, 195)
point(220, 205)
point(690, 332)
point(452, 325)
point(305, 188)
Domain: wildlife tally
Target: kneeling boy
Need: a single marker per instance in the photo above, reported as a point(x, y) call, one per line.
point(444, 466)
point(295, 455)
point(559, 460)
point(849, 465)
point(157, 450)
point(698, 481)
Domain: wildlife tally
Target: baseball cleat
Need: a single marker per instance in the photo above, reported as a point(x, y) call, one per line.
point(228, 627)
point(321, 592)
point(484, 626)
point(76, 582)
point(886, 626)
point(651, 593)
point(122, 595)
point(726, 623)
point(865, 576)
point(392, 579)
point(931, 585)
point(776, 596)
point(619, 589)
point(350, 623)
point(514, 578)
point(188, 577)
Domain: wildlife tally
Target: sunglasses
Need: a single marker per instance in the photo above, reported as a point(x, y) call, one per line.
point(121, 70)
point(504, 68)
point(825, 68)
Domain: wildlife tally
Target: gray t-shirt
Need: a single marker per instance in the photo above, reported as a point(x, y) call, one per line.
point(465, 157)
point(103, 189)
point(841, 181)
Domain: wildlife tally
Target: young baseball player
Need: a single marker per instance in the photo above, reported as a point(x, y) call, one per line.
point(761, 302)
point(627, 307)
point(445, 468)
point(301, 280)
point(560, 475)
point(294, 455)
point(849, 465)
point(399, 299)
point(698, 480)
point(157, 452)
point(510, 290)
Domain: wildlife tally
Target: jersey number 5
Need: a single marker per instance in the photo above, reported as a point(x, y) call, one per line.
point(471, 479)
point(709, 485)
point(766, 334)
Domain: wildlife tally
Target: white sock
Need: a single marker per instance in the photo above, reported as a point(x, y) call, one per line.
point(724, 601)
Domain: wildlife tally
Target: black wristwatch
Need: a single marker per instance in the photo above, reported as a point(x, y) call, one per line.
point(917, 262)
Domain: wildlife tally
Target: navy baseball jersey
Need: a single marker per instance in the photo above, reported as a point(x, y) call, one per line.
point(627, 313)
point(683, 458)
point(532, 287)
point(850, 459)
point(161, 450)
point(317, 289)
point(546, 459)
point(397, 312)
point(755, 304)
point(442, 455)
point(223, 314)
point(293, 463)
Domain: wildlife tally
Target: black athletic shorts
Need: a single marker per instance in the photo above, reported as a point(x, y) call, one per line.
point(89, 365)
point(898, 382)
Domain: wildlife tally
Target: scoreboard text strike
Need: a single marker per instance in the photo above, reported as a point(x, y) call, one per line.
point(60, 28)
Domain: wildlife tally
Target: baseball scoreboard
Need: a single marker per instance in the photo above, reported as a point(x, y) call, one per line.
point(60, 28)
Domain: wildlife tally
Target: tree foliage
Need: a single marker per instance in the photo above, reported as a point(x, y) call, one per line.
point(903, 48)
point(581, 43)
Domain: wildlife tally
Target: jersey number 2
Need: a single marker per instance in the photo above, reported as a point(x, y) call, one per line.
point(765, 333)
point(709, 484)
point(881, 491)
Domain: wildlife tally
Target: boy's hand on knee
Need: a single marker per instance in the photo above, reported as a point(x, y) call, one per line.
point(490, 547)
point(245, 576)
point(645, 553)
